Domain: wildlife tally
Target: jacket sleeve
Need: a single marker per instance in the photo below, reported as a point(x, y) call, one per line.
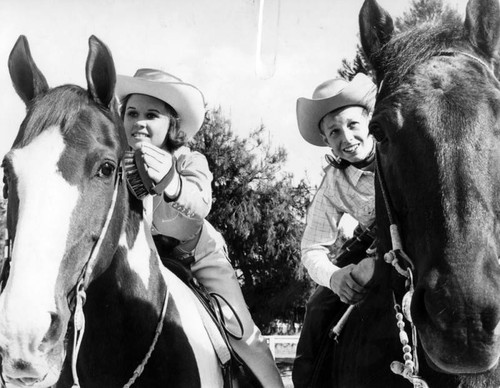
point(182, 217)
point(321, 232)
point(195, 195)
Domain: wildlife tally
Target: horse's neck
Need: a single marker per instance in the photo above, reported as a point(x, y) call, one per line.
point(133, 281)
point(123, 307)
point(137, 272)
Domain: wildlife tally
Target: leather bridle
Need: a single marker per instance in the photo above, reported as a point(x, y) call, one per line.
point(77, 296)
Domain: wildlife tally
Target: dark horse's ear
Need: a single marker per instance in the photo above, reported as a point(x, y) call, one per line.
point(27, 79)
point(376, 28)
point(482, 26)
point(100, 71)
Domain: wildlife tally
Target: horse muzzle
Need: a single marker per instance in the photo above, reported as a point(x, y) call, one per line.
point(459, 328)
point(35, 374)
point(452, 359)
point(28, 358)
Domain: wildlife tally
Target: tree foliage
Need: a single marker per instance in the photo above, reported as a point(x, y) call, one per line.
point(349, 68)
point(260, 212)
point(423, 11)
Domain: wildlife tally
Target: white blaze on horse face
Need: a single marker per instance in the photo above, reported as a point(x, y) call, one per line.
point(46, 202)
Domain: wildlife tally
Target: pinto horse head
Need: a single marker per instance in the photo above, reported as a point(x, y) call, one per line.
point(60, 174)
point(437, 120)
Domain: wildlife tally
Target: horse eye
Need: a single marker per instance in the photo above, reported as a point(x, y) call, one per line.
point(106, 170)
point(377, 132)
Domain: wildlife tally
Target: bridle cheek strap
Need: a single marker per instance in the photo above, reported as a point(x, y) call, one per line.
point(410, 368)
point(83, 282)
point(79, 316)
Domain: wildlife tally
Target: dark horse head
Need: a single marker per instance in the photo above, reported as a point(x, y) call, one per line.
point(72, 221)
point(437, 120)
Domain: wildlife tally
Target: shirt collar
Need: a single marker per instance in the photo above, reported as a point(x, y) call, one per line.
point(354, 174)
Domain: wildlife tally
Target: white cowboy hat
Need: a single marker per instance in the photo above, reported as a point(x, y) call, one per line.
point(186, 99)
point(329, 96)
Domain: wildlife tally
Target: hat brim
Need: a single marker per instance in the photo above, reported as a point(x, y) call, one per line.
point(359, 92)
point(186, 99)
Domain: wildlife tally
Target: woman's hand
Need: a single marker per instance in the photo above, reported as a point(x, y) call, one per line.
point(156, 161)
point(344, 285)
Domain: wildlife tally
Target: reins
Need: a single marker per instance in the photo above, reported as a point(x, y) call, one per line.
point(80, 296)
point(410, 368)
point(79, 316)
point(83, 282)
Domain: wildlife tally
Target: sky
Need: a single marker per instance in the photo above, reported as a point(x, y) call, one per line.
point(212, 44)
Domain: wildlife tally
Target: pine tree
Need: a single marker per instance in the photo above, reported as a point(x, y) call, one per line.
point(260, 212)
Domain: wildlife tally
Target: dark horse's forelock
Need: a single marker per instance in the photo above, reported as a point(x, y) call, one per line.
point(66, 107)
point(402, 54)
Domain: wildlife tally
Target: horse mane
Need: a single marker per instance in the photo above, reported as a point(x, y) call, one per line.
point(64, 106)
point(407, 50)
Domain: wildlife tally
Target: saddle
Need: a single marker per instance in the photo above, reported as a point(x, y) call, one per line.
point(231, 364)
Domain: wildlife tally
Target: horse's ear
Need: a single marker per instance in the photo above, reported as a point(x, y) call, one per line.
point(27, 79)
point(100, 71)
point(482, 26)
point(376, 28)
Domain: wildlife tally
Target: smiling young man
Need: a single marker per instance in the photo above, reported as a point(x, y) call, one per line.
point(337, 117)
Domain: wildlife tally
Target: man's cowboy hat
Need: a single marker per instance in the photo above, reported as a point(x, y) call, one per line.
point(185, 98)
point(329, 96)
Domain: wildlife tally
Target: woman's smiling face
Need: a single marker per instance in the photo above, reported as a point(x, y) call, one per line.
point(346, 132)
point(146, 119)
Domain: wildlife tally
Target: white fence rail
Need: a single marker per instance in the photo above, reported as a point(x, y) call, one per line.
point(283, 347)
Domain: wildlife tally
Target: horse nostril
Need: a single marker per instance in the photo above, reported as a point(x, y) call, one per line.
point(53, 333)
point(490, 320)
point(20, 365)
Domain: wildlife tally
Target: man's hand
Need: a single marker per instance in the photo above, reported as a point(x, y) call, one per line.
point(344, 285)
point(156, 161)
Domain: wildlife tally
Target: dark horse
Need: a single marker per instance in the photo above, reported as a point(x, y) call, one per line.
point(437, 121)
point(74, 227)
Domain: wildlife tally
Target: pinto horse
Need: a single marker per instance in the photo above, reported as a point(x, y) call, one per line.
point(74, 231)
point(437, 122)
